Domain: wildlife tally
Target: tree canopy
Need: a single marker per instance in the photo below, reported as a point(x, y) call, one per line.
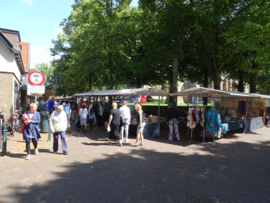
point(106, 44)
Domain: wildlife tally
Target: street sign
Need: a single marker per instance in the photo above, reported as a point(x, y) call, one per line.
point(35, 89)
point(36, 78)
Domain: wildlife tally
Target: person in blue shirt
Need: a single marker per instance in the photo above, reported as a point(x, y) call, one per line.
point(92, 118)
point(51, 105)
point(67, 109)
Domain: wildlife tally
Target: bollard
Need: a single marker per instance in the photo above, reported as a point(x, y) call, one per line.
point(4, 151)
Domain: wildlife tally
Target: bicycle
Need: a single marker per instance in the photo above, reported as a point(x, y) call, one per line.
point(16, 124)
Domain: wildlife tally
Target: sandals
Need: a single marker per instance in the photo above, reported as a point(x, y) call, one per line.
point(108, 143)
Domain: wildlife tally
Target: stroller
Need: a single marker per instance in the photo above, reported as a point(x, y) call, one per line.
point(78, 122)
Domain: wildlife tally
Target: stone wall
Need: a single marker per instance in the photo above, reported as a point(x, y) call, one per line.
point(7, 95)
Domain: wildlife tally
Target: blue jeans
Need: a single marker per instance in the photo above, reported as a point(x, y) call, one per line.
point(63, 139)
point(173, 123)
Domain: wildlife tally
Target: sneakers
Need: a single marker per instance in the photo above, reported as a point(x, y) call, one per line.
point(127, 140)
point(27, 157)
point(36, 151)
point(65, 153)
point(170, 139)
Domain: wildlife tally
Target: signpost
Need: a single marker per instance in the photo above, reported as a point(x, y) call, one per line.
point(36, 79)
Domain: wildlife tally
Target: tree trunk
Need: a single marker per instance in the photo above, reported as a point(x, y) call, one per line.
point(241, 87)
point(217, 81)
point(111, 74)
point(110, 71)
point(90, 82)
point(169, 99)
point(268, 90)
point(205, 84)
point(253, 82)
point(254, 78)
point(138, 82)
point(175, 79)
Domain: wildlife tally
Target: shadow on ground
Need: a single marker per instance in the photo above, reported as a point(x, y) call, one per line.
point(236, 172)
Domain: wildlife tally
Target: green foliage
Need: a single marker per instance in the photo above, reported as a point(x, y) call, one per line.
point(107, 44)
point(47, 70)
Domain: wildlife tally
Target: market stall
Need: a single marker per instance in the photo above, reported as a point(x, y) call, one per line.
point(151, 129)
point(231, 111)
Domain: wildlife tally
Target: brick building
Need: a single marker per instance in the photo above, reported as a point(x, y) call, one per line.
point(14, 65)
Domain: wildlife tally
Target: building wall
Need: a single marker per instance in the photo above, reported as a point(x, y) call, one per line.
point(7, 94)
point(7, 61)
point(25, 53)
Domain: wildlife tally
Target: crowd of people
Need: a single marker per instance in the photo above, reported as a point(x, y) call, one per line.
point(115, 120)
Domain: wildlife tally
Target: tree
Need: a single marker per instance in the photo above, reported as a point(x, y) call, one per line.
point(169, 35)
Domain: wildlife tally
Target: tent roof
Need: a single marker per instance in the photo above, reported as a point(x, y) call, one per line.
point(207, 92)
point(138, 91)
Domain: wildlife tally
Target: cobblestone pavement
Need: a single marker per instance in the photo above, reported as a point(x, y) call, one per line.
point(236, 169)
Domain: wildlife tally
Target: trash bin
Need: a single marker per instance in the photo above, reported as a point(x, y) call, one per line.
point(44, 122)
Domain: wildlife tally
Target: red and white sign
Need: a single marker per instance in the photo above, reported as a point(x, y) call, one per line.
point(36, 78)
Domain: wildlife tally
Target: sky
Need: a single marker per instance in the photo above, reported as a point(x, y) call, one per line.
point(38, 23)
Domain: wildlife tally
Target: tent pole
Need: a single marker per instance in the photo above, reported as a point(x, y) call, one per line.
point(158, 107)
point(187, 116)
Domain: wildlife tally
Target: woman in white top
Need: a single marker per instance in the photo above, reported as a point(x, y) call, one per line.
point(83, 115)
point(58, 125)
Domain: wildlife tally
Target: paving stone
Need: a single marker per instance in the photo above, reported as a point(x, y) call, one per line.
point(236, 169)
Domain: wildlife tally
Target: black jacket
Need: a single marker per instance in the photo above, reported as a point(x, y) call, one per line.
point(172, 113)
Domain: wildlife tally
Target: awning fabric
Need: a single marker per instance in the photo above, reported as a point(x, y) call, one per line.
point(207, 92)
point(139, 91)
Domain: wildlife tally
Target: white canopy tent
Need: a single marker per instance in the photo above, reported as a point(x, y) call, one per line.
point(207, 92)
point(213, 93)
point(139, 91)
point(125, 92)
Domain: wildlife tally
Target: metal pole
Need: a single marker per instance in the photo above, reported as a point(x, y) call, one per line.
point(158, 107)
point(35, 99)
point(187, 116)
point(4, 151)
point(49, 131)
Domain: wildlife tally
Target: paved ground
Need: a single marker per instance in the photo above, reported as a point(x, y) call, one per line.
point(236, 169)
